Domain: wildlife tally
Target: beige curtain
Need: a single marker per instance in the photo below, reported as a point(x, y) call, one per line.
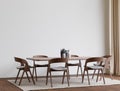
point(114, 6)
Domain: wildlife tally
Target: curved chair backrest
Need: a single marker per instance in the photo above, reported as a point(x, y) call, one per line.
point(23, 62)
point(107, 60)
point(58, 60)
point(94, 59)
point(57, 67)
point(38, 64)
point(25, 68)
point(108, 57)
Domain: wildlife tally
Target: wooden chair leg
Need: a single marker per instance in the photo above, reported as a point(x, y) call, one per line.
point(88, 78)
point(36, 73)
point(32, 77)
point(93, 74)
point(51, 79)
point(103, 76)
point(28, 77)
point(80, 66)
point(98, 75)
point(78, 70)
point(63, 77)
point(81, 69)
point(67, 73)
point(21, 77)
point(83, 76)
point(33, 72)
point(47, 77)
point(17, 75)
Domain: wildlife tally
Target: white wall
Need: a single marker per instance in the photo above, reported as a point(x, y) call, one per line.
point(29, 27)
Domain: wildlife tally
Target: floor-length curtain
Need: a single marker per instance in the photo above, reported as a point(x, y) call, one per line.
point(115, 34)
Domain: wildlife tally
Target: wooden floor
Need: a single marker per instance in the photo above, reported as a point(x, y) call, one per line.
point(6, 86)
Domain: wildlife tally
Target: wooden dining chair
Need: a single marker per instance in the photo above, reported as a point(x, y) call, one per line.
point(38, 65)
point(88, 67)
point(25, 68)
point(78, 64)
point(105, 64)
point(57, 67)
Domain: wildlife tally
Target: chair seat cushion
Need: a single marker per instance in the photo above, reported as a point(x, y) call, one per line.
point(58, 68)
point(20, 67)
point(95, 67)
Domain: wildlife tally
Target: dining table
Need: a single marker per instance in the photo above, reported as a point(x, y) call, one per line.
point(48, 58)
point(41, 59)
